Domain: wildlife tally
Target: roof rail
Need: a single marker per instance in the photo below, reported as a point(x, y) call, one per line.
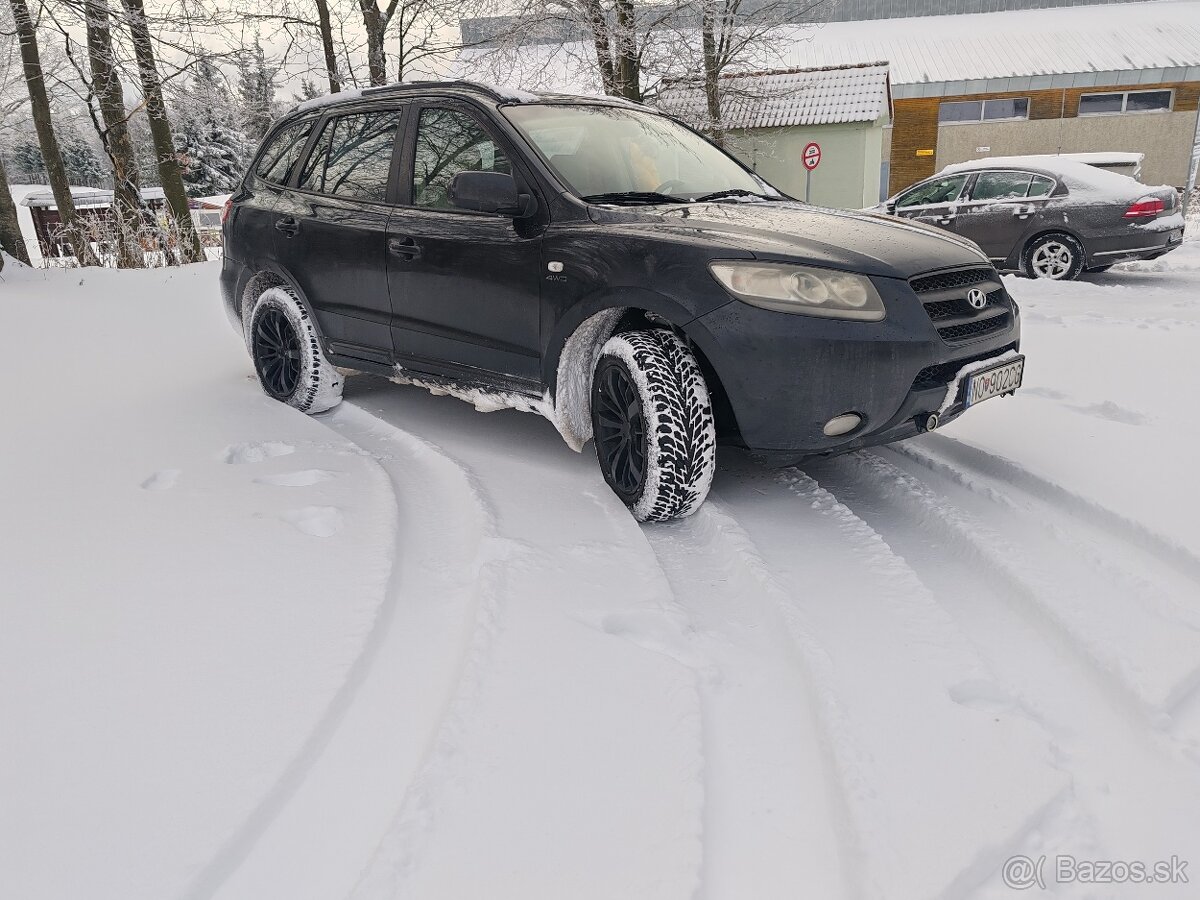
point(397, 86)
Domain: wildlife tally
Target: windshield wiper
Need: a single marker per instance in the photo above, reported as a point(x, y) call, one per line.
point(633, 197)
point(734, 192)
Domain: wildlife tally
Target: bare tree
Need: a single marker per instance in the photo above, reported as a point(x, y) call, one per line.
point(160, 130)
point(39, 101)
point(11, 240)
point(114, 131)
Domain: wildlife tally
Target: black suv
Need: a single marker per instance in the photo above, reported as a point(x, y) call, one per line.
point(608, 267)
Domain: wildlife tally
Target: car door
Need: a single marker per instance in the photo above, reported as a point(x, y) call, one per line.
point(934, 201)
point(252, 217)
point(1000, 208)
point(331, 226)
point(465, 285)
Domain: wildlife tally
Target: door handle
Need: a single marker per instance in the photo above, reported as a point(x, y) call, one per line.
point(1024, 212)
point(288, 226)
point(405, 247)
point(947, 219)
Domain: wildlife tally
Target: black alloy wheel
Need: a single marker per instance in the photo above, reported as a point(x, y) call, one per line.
point(620, 430)
point(277, 353)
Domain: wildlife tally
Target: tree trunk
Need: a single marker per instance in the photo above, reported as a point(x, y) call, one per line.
point(375, 26)
point(127, 199)
point(11, 240)
point(331, 69)
point(628, 65)
point(160, 131)
point(712, 75)
point(40, 103)
point(598, 23)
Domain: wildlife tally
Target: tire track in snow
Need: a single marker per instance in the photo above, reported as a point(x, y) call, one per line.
point(1123, 771)
point(428, 480)
point(1146, 584)
point(764, 815)
point(860, 621)
point(606, 624)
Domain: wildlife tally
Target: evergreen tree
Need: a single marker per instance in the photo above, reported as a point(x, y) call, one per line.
point(82, 163)
point(256, 92)
point(308, 91)
point(28, 163)
point(211, 150)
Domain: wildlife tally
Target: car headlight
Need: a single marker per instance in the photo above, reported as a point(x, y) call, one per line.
point(801, 289)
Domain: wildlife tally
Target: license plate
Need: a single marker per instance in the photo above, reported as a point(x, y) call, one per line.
point(994, 382)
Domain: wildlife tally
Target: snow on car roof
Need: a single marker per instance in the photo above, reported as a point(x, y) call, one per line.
point(1079, 176)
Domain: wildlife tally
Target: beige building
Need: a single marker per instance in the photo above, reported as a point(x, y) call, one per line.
point(770, 117)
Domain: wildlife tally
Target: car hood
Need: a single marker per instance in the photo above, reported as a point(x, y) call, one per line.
point(850, 240)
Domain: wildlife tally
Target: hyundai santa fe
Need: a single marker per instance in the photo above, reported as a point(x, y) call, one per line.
point(605, 265)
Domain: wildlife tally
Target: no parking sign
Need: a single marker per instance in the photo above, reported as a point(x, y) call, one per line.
point(810, 158)
point(812, 155)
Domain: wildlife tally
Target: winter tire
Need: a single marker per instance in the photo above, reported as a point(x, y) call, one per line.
point(287, 354)
point(1058, 257)
point(653, 424)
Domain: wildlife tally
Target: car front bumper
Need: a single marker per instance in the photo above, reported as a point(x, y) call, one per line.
point(786, 376)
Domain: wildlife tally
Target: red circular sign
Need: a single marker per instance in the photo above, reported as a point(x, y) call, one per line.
point(812, 155)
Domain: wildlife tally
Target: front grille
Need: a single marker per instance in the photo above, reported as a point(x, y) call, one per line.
point(944, 296)
point(943, 373)
point(943, 281)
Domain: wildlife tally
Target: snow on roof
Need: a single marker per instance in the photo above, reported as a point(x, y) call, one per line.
point(84, 197)
point(854, 93)
point(1028, 49)
point(975, 46)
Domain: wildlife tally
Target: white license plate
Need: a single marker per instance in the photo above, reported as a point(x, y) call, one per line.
point(994, 382)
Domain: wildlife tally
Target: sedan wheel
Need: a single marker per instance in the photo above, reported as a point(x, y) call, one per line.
point(1058, 257)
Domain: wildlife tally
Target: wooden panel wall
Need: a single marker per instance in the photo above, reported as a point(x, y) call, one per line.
point(915, 121)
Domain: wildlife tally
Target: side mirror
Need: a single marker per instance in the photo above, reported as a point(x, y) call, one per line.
point(890, 206)
point(490, 192)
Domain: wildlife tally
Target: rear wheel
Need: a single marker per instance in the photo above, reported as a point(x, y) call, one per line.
point(1058, 257)
point(287, 354)
point(653, 424)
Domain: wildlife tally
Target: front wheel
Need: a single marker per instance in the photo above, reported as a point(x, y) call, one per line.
point(1058, 257)
point(287, 353)
point(653, 424)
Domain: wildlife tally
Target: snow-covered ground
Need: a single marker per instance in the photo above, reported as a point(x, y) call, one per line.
point(407, 650)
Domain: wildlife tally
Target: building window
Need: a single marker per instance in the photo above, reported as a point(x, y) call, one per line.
point(1124, 102)
point(983, 110)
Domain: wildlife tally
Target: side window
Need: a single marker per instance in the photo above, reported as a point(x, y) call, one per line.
point(280, 157)
point(1000, 185)
point(1040, 186)
point(449, 142)
point(353, 156)
point(938, 190)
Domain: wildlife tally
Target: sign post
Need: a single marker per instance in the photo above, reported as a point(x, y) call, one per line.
point(811, 158)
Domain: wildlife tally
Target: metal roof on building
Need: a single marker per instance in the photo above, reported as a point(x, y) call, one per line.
point(848, 93)
point(976, 53)
point(1027, 49)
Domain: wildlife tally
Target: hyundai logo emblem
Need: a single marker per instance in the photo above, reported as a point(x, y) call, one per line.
point(977, 298)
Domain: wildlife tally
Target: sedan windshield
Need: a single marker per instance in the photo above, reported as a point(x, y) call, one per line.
point(613, 154)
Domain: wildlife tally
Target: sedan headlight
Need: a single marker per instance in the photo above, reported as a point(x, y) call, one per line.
point(801, 289)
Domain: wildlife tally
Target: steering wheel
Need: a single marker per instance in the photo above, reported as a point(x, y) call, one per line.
point(669, 187)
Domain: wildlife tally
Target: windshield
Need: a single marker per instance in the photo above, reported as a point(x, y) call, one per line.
point(603, 151)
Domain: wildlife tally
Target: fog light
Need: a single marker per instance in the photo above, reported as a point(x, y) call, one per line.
point(843, 424)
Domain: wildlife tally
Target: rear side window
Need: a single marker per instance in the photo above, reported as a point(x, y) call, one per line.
point(1040, 187)
point(280, 157)
point(1000, 185)
point(449, 142)
point(353, 156)
point(938, 190)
